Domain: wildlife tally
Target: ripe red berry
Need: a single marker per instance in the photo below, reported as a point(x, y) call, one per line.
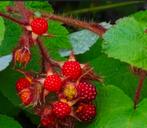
point(48, 121)
point(61, 109)
point(71, 69)
point(53, 83)
point(86, 91)
point(26, 96)
point(39, 26)
point(22, 83)
point(86, 112)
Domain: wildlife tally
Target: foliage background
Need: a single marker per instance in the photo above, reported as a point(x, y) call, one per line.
point(115, 97)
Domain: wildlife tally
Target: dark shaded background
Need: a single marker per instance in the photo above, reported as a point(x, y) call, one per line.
point(109, 15)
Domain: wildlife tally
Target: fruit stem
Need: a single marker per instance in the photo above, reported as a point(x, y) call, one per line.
point(139, 88)
point(11, 18)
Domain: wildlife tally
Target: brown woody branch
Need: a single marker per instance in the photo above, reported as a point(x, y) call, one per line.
point(12, 19)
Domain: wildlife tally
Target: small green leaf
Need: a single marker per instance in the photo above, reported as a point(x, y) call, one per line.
point(127, 42)
point(3, 5)
point(2, 29)
point(39, 5)
point(59, 41)
point(81, 41)
point(8, 122)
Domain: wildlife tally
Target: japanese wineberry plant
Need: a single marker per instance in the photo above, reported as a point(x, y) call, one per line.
point(71, 80)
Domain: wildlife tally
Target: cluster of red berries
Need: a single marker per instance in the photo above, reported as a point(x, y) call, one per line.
point(60, 94)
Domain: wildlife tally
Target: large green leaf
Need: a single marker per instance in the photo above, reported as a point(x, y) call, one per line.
point(8, 122)
point(2, 30)
point(115, 109)
point(141, 16)
point(127, 42)
point(7, 107)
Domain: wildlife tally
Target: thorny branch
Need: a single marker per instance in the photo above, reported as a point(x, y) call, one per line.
point(96, 28)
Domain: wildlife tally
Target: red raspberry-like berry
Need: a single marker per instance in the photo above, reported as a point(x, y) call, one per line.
point(22, 83)
point(39, 26)
point(71, 69)
point(86, 112)
point(61, 109)
point(26, 96)
point(53, 83)
point(48, 121)
point(86, 91)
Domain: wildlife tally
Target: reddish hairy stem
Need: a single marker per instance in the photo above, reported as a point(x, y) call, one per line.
point(43, 50)
point(12, 19)
point(23, 10)
point(139, 88)
point(96, 28)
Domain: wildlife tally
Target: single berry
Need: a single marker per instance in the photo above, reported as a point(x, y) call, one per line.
point(22, 83)
point(26, 96)
point(53, 83)
point(86, 112)
point(39, 26)
point(48, 121)
point(61, 109)
point(71, 69)
point(86, 91)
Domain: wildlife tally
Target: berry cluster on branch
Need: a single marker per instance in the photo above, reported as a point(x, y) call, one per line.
point(62, 92)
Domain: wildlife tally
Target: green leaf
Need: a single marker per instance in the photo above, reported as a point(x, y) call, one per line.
point(3, 5)
point(126, 41)
point(39, 5)
point(2, 30)
point(115, 109)
point(59, 41)
point(11, 37)
point(141, 16)
point(81, 41)
point(8, 122)
point(7, 107)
